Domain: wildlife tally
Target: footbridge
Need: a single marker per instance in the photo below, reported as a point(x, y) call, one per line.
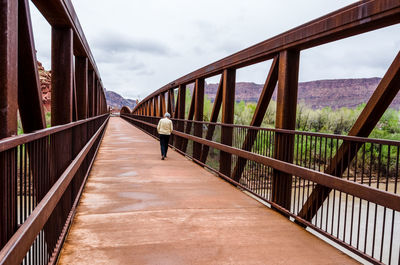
point(92, 188)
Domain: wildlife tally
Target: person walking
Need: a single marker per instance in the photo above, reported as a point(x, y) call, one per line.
point(164, 129)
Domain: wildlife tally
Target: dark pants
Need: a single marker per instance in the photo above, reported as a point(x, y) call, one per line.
point(164, 139)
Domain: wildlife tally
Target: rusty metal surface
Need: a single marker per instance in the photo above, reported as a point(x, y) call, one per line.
point(286, 105)
point(263, 157)
point(90, 79)
point(138, 209)
point(8, 68)
point(198, 115)
point(81, 85)
point(171, 102)
point(10, 142)
point(181, 104)
point(29, 92)
point(8, 115)
point(227, 117)
point(23, 240)
point(61, 76)
point(384, 198)
point(315, 134)
point(383, 240)
point(30, 164)
point(163, 108)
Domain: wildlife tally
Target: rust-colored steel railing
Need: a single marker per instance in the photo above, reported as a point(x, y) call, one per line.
point(43, 171)
point(77, 90)
point(306, 176)
point(362, 212)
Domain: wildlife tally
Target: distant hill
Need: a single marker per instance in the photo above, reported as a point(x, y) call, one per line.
point(335, 93)
point(116, 101)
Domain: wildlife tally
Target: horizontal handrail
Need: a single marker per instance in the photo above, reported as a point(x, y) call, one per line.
point(11, 142)
point(292, 132)
point(365, 192)
point(274, 205)
point(16, 248)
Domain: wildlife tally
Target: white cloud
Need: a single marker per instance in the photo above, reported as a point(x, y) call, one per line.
point(140, 46)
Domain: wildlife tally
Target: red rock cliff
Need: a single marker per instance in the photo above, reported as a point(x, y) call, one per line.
point(45, 85)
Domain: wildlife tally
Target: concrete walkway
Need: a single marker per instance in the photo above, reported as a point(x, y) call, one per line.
point(138, 209)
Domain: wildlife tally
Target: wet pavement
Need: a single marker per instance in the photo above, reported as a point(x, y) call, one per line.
point(139, 209)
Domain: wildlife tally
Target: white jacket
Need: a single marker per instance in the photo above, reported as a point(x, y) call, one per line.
point(165, 126)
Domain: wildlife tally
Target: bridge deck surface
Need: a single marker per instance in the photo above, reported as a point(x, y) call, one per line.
point(138, 209)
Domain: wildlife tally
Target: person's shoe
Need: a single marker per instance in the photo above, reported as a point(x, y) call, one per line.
point(162, 158)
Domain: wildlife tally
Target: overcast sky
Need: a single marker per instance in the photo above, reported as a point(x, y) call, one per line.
point(139, 46)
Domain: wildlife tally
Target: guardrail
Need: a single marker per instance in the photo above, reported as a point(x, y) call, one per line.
point(46, 172)
point(316, 160)
point(42, 171)
point(362, 209)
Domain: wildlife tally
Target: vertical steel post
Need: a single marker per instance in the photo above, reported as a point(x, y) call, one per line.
point(74, 102)
point(103, 100)
point(156, 106)
point(162, 105)
point(182, 102)
point(61, 108)
point(149, 107)
point(181, 113)
point(81, 77)
point(91, 82)
point(29, 92)
point(198, 115)
point(98, 97)
point(152, 107)
point(100, 100)
point(285, 119)
point(8, 116)
point(228, 111)
point(95, 96)
point(8, 68)
point(171, 102)
point(62, 75)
